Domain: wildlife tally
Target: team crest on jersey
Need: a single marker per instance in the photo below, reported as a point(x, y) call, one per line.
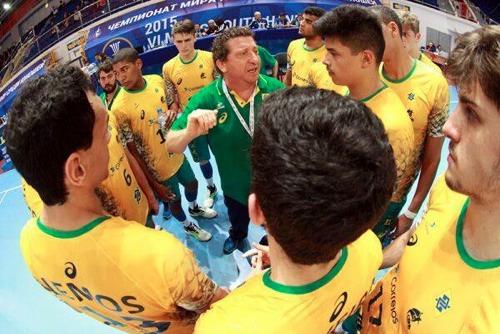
point(203, 75)
point(179, 81)
point(443, 303)
point(315, 60)
point(411, 96)
point(410, 113)
point(413, 240)
point(413, 315)
point(223, 117)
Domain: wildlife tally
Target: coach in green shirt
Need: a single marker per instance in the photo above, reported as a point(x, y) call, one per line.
point(225, 111)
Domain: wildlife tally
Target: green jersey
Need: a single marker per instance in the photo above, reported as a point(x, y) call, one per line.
point(229, 140)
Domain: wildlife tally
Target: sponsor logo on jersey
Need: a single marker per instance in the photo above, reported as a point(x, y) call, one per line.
point(443, 303)
point(223, 117)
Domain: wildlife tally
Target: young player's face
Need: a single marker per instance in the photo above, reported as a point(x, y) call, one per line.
point(474, 133)
point(129, 74)
point(343, 66)
point(184, 44)
point(243, 60)
point(306, 25)
point(97, 156)
point(107, 81)
point(410, 38)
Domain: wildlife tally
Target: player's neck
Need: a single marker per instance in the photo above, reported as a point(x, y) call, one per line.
point(415, 53)
point(188, 58)
point(313, 42)
point(481, 235)
point(285, 272)
point(79, 210)
point(109, 96)
point(139, 85)
point(399, 64)
point(243, 88)
point(366, 87)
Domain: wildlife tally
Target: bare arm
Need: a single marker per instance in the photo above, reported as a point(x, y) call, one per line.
point(288, 77)
point(430, 163)
point(142, 181)
point(172, 96)
point(393, 252)
point(162, 191)
point(199, 122)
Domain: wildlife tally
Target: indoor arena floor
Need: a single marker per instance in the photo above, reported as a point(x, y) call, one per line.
point(25, 307)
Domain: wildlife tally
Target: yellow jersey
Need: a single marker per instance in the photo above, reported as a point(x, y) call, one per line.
point(424, 93)
point(189, 77)
point(319, 78)
point(427, 61)
point(32, 199)
point(262, 306)
point(120, 194)
point(137, 118)
point(388, 107)
point(437, 286)
point(300, 59)
point(155, 287)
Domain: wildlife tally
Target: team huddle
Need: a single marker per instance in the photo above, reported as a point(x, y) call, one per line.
point(323, 161)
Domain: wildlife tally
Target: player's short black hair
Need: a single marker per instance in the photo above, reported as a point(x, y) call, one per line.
point(323, 171)
point(356, 28)
point(315, 11)
point(49, 120)
point(386, 15)
point(129, 55)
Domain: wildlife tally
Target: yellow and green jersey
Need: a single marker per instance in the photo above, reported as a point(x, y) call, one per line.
point(228, 140)
point(189, 77)
point(438, 287)
point(388, 107)
point(120, 194)
point(424, 93)
point(427, 61)
point(262, 305)
point(137, 118)
point(32, 199)
point(320, 78)
point(300, 59)
point(156, 287)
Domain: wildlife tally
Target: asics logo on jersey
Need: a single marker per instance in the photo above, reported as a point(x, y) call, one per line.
point(443, 303)
point(143, 114)
point(413, 315)
point(179, 81)
point(70, 270)
point(203, 75)
point(223, 117)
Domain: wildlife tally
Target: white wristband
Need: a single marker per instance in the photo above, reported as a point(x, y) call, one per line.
point(409, 214)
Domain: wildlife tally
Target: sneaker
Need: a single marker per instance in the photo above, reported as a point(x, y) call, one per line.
point(202, 212)
point(197, 232)
point(211, 197)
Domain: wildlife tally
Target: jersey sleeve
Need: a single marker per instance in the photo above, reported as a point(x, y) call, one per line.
point(267, 58)
point(193, 289)
point(289, 52)
point(440, 107)
point(196, 102)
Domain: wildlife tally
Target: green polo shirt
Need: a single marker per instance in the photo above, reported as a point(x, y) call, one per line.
point(267, 61)
point(102, 96)
point(228, 140)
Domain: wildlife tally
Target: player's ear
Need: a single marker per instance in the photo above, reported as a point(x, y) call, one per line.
point(138, 63)
point(221, 65)
point(367, 58)
point(254, 210)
